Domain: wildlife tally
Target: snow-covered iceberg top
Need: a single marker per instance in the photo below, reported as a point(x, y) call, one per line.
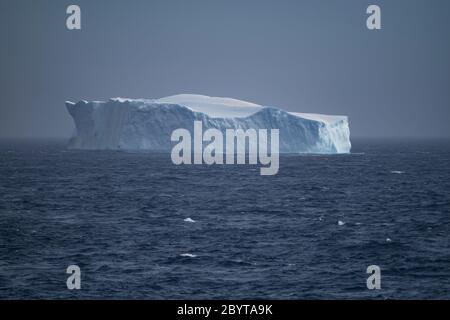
point(146, 124)
point(213, 106)
point(217, 107)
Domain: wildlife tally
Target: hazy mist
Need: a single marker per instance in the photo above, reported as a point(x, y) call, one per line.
point(306, 56)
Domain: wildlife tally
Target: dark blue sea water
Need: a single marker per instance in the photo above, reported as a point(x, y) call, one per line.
point(120, 217)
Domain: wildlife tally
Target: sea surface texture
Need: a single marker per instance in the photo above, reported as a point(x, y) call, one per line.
point(140, 227)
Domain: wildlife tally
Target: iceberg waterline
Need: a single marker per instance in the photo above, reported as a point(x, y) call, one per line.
point(147, 124)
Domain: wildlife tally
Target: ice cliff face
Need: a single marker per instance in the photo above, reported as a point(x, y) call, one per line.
point(147, 124)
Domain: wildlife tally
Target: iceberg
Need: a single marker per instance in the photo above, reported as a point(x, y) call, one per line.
point(147, 124)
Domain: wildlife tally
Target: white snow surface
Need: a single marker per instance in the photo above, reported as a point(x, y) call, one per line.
point(214, 107)
point(217, 107)
point(146, 124)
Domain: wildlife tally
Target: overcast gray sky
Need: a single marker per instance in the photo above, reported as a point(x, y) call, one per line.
point(306, 56)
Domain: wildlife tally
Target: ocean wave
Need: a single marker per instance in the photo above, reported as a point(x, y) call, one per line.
point(188, 255)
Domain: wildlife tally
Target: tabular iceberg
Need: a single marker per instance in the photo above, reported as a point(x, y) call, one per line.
point(147, 124)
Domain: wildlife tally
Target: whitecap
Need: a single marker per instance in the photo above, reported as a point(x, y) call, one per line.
point(189, 255)
point(189, 220)
point(397, 172)
point(341, 223)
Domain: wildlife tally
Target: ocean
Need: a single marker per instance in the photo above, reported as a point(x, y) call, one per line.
point(140, 227)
